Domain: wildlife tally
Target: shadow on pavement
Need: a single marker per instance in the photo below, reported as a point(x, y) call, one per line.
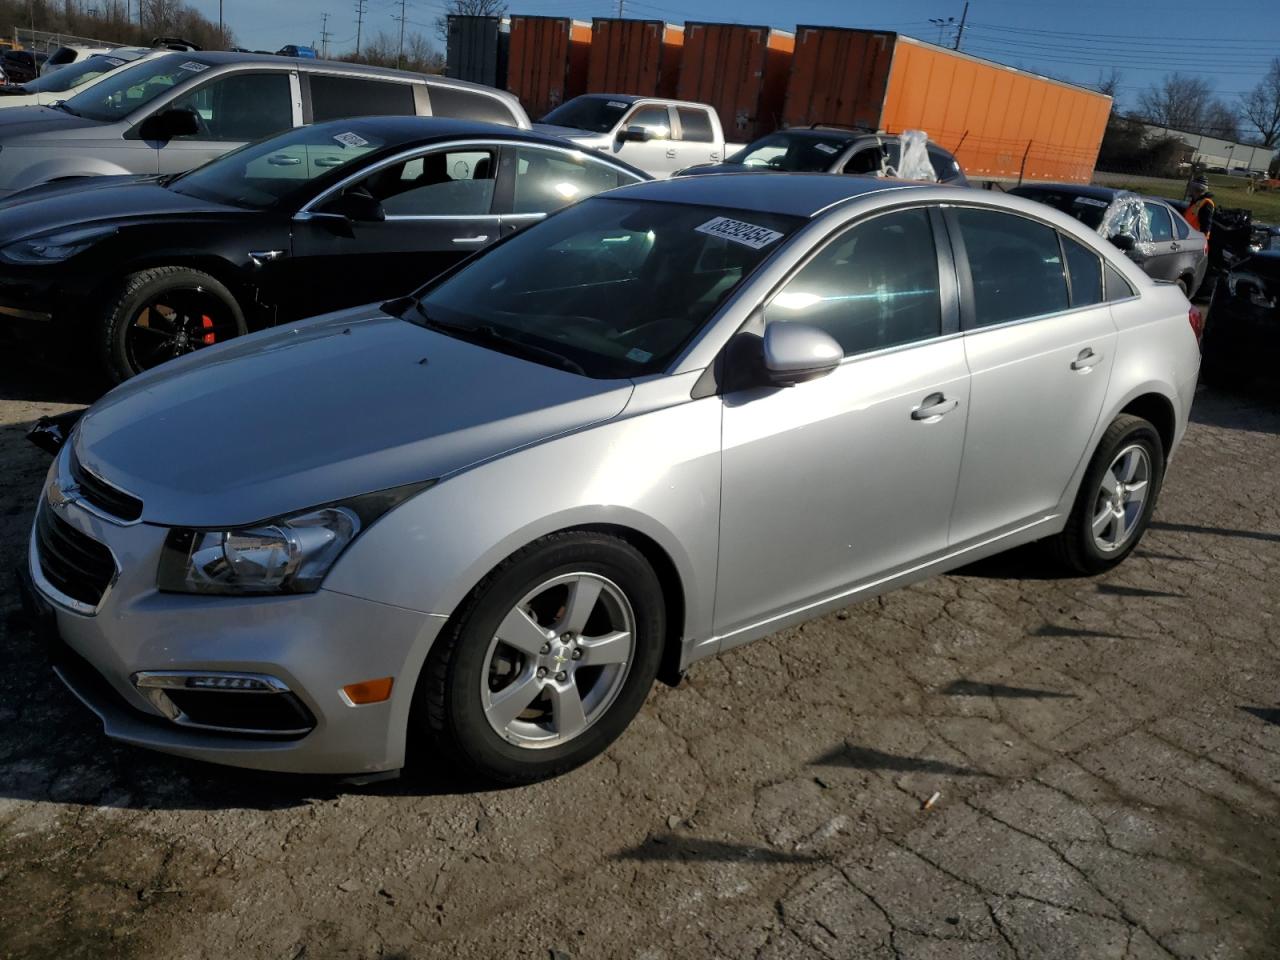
point(976, 688)
point(864, 758)
point(1267, 714)
point(1118, 590)
point(671, 846)
point(1216, 531)
point(1053, 630)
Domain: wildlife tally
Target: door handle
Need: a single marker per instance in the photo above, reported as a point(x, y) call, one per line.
point(932, 407)
point(671, 153)
point(330, 161)
point(479, 239)
point(1087, 360)
point(282, 160)
point(1175, 246)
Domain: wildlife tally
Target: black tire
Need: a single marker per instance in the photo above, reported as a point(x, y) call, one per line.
point(447, 711)
point(122, 358)
point(1074, 548)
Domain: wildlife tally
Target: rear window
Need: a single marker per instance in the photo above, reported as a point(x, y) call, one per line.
point(1088, 210)
point(447, 101)
point(944, 167)
point(1085, 269)
point(797, 153)
point(337, 98)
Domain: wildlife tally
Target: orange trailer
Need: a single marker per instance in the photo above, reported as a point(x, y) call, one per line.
point(634, 56)
point(1001, 123)
point(547, 64)
point(740, 70)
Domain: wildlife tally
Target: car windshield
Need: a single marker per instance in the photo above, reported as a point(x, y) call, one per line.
point(262, 175)
point(132, 87)
point(609, 288)
point(1088, 210)
point(76, 74)
point(792, 152)
point(597, 114)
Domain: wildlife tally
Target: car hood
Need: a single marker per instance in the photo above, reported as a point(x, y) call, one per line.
point(724, 168)
point(331, 408)
point(93, 200)
point(569, 133)
point(41, 123)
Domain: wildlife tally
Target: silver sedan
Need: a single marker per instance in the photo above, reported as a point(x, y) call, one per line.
point(667, 421)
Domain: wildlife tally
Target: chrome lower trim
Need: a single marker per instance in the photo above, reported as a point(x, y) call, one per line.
point(152, 684)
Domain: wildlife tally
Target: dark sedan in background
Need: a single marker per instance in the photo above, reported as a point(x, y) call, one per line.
point(1148, 229)
point(1242, 338)
point(324, 217)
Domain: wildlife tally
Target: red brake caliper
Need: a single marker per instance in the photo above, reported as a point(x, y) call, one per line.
point(206, 324)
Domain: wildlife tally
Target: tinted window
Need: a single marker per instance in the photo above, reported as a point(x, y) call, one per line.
point(873, 287)
point(655, 119)
point(597, 114)
point(468, 105)
point(443, 183)
point(794, 152)
point(1118, 288)
point(695, 125)
point(615, 286)
point(547, 180)
point(1159, 226)
point(125, 90)
point(1088, 210)
point(241, 106)
point(944, 167)
point(873, 159)
point(1085, 268)
point(1016, 266)
point(1181, 227)
point(336, 98)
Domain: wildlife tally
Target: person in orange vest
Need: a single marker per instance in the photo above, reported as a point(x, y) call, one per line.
point(1200, 210)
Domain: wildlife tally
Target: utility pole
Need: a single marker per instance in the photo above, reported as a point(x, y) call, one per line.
point(324, 36)
point(400, 53)
point(360, 7)
point(620, 3)
point(963, 17)
point(221, 35)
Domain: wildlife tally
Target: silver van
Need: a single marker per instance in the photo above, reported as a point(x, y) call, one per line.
point(173, 113)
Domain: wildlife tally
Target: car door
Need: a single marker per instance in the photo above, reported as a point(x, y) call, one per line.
point(1040, 345)
point(438, 208)
point(234, 109)
point(695, 138)
point(657, 155)
point(836, 482)
point(534, 181)
point(1160, 259)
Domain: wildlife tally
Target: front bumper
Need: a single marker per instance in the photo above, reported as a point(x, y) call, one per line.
point(313, 643)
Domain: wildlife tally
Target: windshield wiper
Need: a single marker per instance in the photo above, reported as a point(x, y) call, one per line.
point(62, 105)
point(489, 336)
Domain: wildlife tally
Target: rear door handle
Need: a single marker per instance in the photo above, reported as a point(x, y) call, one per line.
point(671, 153)
point(932, 407)
point(1175, 246)
point(1086, 360)
point(479, 239)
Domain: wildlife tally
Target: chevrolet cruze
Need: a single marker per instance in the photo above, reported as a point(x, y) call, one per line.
point(664, 422)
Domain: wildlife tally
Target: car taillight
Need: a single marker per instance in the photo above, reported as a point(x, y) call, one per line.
point(1196, 319)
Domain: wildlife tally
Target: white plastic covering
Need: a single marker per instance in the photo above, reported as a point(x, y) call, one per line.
point(1127, 216)
point(913, 163)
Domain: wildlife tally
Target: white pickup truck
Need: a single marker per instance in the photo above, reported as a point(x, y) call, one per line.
point(659, 136)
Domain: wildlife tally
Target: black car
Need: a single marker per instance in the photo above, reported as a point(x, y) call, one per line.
point(21, 66)
point(317, 219)
point(823, 149)
point(1242, 337)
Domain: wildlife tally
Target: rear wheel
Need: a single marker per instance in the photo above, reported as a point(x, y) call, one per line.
point(547, 661)
point(1116, 498)
point(162, 313)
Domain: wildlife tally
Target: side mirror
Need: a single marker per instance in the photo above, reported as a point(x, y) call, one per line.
point(167, 124)
point(634, 134)
point(357, 205)
point(797, 352)
point(1123, 241)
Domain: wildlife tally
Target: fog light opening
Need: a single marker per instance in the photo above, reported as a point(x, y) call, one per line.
point(367, 691)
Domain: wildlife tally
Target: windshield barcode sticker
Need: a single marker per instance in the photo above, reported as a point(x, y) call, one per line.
point(193, 66)
point(739, 231)
point(1090, 202)
point(619, 104)
point(115, 62)
point(351, 139)
point(825, 147)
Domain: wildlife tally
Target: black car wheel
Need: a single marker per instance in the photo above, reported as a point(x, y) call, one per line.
point(163, 313)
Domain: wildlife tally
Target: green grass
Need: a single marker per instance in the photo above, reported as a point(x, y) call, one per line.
point(1227, 192)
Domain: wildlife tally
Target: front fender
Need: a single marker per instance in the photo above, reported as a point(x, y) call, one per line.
point(65, 168)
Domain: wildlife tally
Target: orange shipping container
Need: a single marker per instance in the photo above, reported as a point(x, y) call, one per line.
point(1001, 123)
point(742, 71)
point(634, 56)
point(548, 61)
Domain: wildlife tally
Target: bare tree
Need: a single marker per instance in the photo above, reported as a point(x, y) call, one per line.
point(1261, 106)
point(468, 8)
point(1220, 120)
point(1179, 101)
point(1110, 84)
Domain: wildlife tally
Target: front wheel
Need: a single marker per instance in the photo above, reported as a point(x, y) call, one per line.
point(162, 313)
point(547, 661)
point(1116, 499)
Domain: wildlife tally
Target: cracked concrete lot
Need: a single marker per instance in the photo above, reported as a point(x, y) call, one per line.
point(1107, 754)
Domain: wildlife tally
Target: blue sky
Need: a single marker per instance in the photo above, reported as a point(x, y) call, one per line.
point(1229, 42)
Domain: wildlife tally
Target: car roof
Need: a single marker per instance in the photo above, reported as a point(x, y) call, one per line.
point(1074, 189)
point(793, 194)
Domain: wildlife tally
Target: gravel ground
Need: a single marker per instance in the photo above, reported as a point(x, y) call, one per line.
point(1107, 754)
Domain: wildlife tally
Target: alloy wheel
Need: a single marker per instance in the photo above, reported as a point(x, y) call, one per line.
point(174, 323)
point(1121, 498)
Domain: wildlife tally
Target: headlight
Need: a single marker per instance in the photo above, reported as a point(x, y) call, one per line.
point(55, 246)
point(289, 555)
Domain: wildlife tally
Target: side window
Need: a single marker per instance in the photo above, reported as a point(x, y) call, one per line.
point(444, 183)
point(1085, 268)
point(873, 159)
point(1118, 288)
point(447, 101)
point(945, 167)
point(695, 125)
point(1181, 227)
point(241, 106)
point(337, 98)
point(1159, 227)
point(653, 117)
point(1016, 266)
point(874, 286)
point(547, 180)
